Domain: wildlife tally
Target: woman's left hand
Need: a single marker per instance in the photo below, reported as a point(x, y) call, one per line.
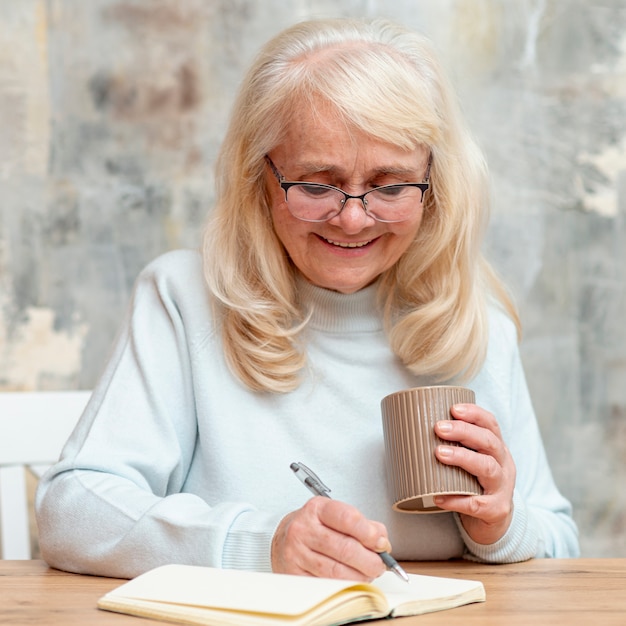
point(484, 454)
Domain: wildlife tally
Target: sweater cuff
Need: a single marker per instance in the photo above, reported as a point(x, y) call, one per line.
point(248, 543)
point(519, 543)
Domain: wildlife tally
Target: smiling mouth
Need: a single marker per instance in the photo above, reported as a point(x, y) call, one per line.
point(341, 244)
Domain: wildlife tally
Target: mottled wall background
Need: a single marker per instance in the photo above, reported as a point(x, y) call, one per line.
point(111, 112)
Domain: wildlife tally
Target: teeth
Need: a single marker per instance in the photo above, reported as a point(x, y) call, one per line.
point(359, 244)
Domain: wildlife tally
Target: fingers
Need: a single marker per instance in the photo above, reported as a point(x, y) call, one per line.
point(486, 466)
point(331, 539)
point(484, 454)
point(473, 427)
point(348, 520)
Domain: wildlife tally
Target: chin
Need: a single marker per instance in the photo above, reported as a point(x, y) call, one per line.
point(347, 287)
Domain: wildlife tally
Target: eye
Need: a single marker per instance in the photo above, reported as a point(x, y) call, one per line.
point(314, 191)
point(392, 191)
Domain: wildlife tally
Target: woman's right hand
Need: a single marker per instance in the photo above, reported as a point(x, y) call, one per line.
point(331, 539)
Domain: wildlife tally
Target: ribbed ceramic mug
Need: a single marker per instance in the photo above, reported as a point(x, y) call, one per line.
point(414, 474)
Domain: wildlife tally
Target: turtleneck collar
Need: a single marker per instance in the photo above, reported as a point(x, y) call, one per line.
point(332, 311)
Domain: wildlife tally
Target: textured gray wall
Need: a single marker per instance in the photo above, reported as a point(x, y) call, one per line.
point(112, 111)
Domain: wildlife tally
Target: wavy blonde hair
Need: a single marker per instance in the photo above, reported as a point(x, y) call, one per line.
point(385, 81)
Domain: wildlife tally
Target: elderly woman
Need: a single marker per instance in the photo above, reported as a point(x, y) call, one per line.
point(341, 263)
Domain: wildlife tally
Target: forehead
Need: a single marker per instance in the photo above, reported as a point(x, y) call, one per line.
point(317, 138)
point(319, 122)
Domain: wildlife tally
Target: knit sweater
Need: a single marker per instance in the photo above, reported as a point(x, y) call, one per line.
point(175, 460)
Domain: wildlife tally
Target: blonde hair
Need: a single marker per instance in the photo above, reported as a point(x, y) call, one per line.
point(384, 80)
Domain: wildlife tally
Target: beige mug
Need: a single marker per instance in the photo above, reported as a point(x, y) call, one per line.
point(415, 476)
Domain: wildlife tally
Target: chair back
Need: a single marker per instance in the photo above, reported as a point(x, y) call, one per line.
point(34, 425)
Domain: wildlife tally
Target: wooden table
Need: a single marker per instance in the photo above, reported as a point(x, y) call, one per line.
point(567, 592)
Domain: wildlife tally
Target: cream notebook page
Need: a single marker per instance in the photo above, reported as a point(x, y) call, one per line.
point(237, 590)
point(193, 589)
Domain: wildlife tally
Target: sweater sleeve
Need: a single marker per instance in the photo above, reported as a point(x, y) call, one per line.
point(115, 504)
point(542, 524)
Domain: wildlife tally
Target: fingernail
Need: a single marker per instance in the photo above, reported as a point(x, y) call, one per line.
point(444, 426)
point(383, 545)
point(445, 451)
point(460, 409)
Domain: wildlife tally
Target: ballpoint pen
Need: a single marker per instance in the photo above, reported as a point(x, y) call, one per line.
point(314, 484)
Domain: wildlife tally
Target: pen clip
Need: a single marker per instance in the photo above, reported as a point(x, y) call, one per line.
point(310, 479)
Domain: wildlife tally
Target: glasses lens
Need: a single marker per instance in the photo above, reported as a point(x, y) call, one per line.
point(314, 203)
point(319, 203)
point(393, 203)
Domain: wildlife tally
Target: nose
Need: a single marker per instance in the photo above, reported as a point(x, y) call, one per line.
point(352, 218)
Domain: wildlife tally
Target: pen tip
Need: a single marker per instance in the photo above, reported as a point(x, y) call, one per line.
point(398, 570)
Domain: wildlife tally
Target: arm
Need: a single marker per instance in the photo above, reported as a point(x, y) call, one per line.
point(521, 514)
point(115, 504)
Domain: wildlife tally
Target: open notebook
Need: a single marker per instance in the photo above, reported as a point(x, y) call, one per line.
point(190, 594)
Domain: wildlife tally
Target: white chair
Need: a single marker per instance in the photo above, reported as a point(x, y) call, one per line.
point(33, 428)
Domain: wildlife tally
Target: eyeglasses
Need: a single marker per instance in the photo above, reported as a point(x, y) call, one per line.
point(316, 202)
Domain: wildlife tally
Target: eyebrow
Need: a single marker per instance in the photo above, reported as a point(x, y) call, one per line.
point(308, 168)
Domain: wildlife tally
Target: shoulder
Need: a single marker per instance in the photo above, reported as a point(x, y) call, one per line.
point(174, 264)
point(176, 274)
point(500, 379)
point(175, 281)
point(502, 348)
point(502, 329)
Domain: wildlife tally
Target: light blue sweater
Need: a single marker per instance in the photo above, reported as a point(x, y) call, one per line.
point(174, 460)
